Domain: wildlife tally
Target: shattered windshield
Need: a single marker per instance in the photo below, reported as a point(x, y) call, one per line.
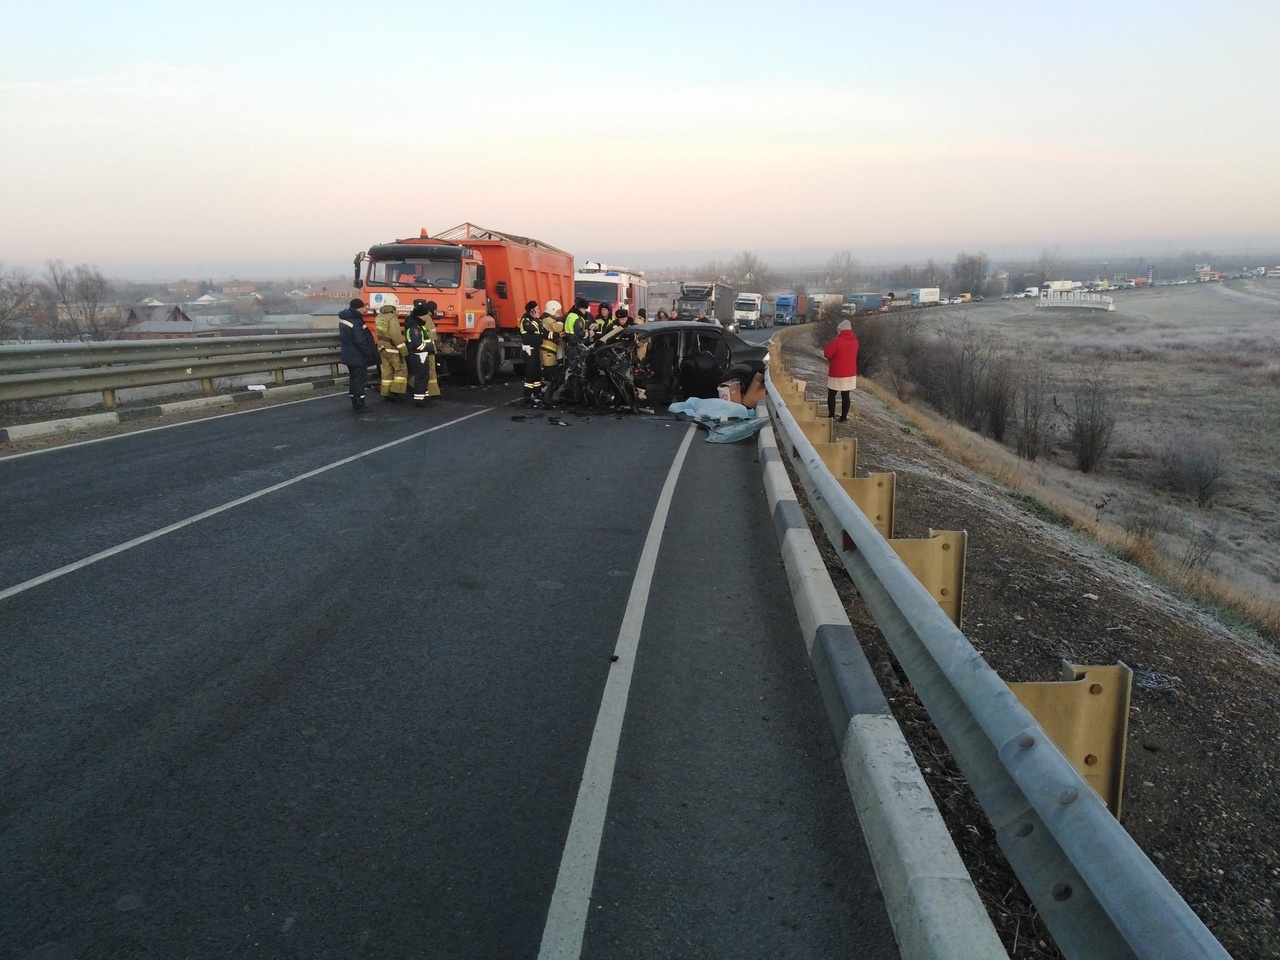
point(441, 274)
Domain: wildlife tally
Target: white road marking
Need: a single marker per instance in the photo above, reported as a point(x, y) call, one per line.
point(163, 426)
point(567, 918)
point(173, 527)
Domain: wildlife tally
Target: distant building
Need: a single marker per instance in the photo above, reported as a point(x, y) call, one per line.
point(184, 288)
point(153, 311)
point(237, 288)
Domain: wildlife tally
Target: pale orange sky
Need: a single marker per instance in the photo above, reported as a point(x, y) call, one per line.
point(299, 134)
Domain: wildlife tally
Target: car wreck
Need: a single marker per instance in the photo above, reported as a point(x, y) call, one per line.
point(654, 364)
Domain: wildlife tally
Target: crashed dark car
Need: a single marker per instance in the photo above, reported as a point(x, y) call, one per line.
point(655, 364)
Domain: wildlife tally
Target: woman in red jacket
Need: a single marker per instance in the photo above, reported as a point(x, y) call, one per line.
point(842, 368)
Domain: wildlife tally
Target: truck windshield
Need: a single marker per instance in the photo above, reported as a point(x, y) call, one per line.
point(744, 305)
point(693, 306)
point(442, 274)
point(596, 291)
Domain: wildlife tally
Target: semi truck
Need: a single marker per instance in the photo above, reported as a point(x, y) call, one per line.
point(714, 298)
point(791, 308)
point(615, 287)
point(752, 310)
point(857, 303)
point(480, 280)
point(925, 296)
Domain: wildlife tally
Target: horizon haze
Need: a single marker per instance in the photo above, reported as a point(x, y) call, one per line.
point(277, 140)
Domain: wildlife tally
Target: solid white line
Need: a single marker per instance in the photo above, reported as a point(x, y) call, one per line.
point(163, 426)
point(171, 528)
point(571, 901)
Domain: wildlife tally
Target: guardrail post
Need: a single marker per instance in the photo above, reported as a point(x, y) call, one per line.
point(109, 399)
point(279, 377)
point(938, 563)
point(1086, 714)
point(333, 370)
point(206, 387)
point(874, 496)
point(841, 457)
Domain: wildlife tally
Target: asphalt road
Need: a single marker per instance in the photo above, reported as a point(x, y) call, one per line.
point(334, 696)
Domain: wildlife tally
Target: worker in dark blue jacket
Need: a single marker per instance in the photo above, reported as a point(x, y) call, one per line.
point(359, 352)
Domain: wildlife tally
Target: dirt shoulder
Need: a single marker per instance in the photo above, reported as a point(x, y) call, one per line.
point(1200, 782)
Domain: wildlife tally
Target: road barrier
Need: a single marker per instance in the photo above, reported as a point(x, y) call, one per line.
point(1097, 892)
point(1088, 301)
point(37, 371)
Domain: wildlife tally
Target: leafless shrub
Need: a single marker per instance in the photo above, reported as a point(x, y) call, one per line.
point(1090, 419)
point(16, 287)
point(1202, 543)
point(1000, 396)
point(1194, 465)
point(1033, 408)
point(875, 342)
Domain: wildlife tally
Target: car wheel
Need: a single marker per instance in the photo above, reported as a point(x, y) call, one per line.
point(605, 394)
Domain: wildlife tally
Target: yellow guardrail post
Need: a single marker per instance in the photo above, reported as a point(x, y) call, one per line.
point(873, 495)
point(938, 563)
point(1086, 715)
point(841, 457)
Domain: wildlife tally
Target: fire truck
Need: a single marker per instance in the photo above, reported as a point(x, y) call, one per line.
point(616, 287)
point(480, 280)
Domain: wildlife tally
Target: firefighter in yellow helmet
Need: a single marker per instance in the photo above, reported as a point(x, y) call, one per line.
point(392, 352)
point(552, 351)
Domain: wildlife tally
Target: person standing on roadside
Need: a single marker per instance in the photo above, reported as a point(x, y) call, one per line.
point(392, 351)
point(358, 352)
point(531, 335)
point(842, 368)
point(420, 338)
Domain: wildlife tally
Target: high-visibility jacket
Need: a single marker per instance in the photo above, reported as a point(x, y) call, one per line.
point(571, 321)
point(390, 336)
point(552, 349)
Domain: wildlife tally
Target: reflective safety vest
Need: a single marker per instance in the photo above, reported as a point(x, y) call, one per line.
point(571, 320)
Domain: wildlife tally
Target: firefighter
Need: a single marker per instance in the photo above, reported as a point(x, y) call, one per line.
point(552, 350)
point(531, 333)
point(420, 338)
point(392, 351)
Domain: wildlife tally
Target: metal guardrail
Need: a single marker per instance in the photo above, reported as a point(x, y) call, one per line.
point(1098, 893)
point(37, 371)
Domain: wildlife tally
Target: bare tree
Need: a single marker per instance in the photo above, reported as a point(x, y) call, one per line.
point(843, 271)
point(932, 275)
point(749, 272)
point(77, 300)
point(1034, 411)
point(1046, 268)
point(16, 288)
point(969, 272)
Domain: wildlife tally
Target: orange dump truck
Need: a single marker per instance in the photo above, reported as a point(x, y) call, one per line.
point(480, 281)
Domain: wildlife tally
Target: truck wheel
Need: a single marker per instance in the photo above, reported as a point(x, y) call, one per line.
point(482, 360)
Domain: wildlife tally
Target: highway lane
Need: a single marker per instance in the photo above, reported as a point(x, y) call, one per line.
point(350, 717)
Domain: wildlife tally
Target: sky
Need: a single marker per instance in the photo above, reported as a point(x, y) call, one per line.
point(170, 139)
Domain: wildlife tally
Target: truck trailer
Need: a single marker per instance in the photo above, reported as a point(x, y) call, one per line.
point(480, 281)
point(925, 296)
point(715, 299)
point(791, 308)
